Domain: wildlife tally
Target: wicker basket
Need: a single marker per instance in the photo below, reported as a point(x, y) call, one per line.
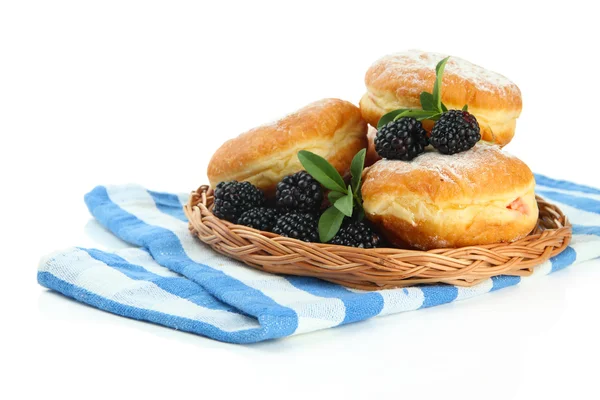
point(384, 268)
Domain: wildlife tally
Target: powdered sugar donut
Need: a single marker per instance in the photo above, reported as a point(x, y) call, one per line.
point(476, 197)
point(397, 80)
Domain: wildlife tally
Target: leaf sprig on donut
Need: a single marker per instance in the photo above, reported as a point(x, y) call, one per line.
point(346, 200)
point(431, 103)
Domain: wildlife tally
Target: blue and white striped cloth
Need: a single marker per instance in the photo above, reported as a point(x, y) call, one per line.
point(168, 277)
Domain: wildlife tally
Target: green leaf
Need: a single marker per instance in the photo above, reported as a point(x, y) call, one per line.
point(417, 114)
point(345, 204)
point(465, 107)
point(358, 206)
point(320, 169)
point(437, 86)
point(356, 169)
point(330, 223)
point(427, 101)
point(334, 196)
point(360, 215)
point(388, 117)
point(434, 117)
point(444, 108)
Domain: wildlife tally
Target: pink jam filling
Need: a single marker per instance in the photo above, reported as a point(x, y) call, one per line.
point(518, 205)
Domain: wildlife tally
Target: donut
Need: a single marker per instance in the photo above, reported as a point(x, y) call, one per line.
point(372, 155)
point(477, 197)
point(331, 128)
point(397, 80)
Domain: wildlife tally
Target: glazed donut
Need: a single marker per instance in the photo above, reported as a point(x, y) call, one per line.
point(480, 196)
point(397, 80)
point(331, 128)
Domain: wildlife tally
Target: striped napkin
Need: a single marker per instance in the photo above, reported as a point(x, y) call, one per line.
point(168, 277)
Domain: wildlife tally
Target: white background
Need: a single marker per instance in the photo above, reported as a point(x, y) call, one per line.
point(121, 91)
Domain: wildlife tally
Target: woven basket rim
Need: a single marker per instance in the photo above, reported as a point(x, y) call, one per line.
point(379, 268)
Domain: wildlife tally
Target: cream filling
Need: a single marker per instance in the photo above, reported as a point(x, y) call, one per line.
point(414, 209)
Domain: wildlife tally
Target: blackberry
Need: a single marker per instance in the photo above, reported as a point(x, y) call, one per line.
point(356, 234)
point(299, 191)
point(402, 139)
point(233, 198)
point(454, 132)
point(298, 225)
point(261, 218)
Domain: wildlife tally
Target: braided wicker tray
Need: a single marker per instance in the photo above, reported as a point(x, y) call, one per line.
point(383, 268)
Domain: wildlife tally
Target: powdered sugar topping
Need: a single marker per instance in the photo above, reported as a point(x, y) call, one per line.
point(449, 167)
point(413, 61)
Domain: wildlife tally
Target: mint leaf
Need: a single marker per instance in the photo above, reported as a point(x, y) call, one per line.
point(388, 117)
point(437, 86)
point(434, 117)
point(356, 169)
point(320, 169)
point(334, 196)
point(360, 215)
point(465, 107)
point(400, 113)
point(345, 204)
point(427, 101)
point(444, 108)
point(417, 114)
point(330, 223)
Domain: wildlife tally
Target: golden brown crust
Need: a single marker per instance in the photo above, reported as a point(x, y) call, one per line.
point(372, 155)
point(332, 128)
point(477, 174)
point(396, 81)
point(480, 196)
